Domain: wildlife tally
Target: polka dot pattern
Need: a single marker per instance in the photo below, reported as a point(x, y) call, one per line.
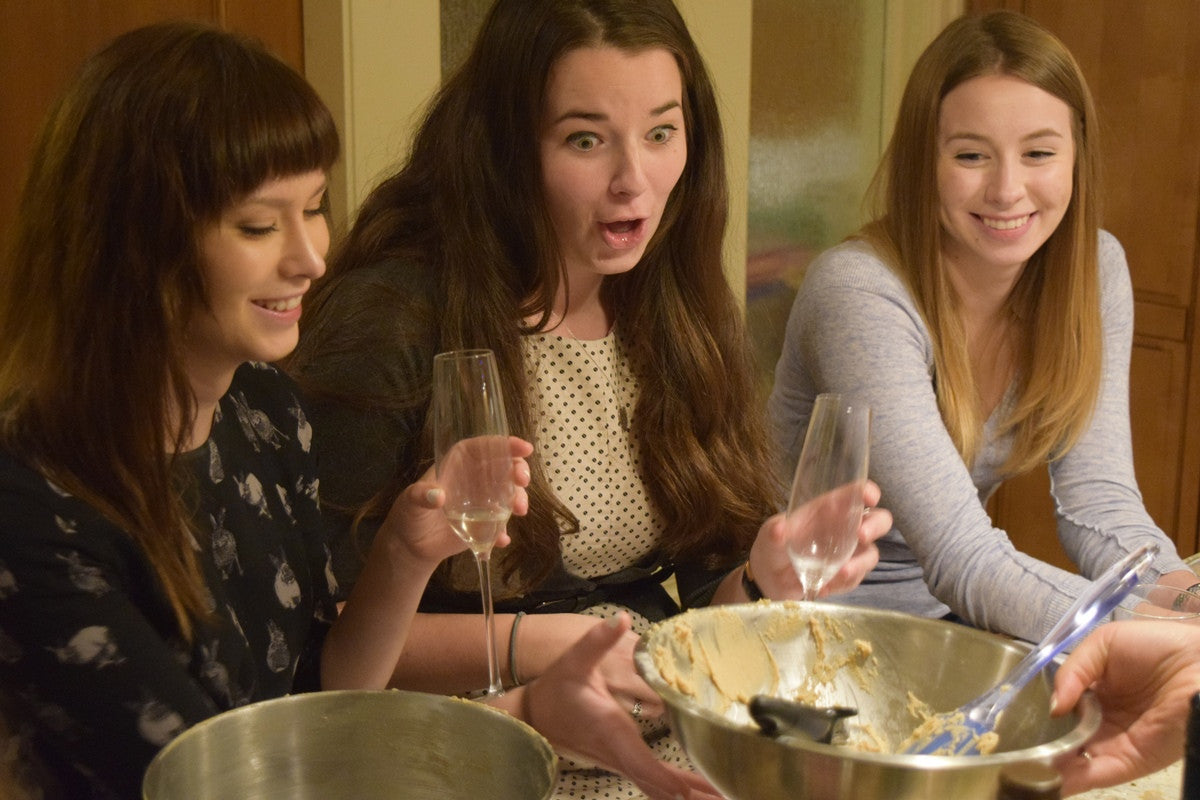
point(592, 461)
point(584, 391)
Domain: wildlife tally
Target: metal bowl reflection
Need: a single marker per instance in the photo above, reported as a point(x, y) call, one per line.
point(826, 654)
point(355, 744)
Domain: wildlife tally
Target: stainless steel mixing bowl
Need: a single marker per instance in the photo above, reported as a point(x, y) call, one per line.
point(355, 744)
point(827, 654)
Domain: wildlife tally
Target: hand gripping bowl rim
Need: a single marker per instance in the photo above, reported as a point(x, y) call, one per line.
point(1087, 710)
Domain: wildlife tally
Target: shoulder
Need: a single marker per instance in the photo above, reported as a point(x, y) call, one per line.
point(42, 524)
point(852, 278)
point(1109, 248)
point(389, 281)
point(27, 498)
point(361, 321)
point(853, 265)
point(16, 476)
point(25, 492)
point(264, 384)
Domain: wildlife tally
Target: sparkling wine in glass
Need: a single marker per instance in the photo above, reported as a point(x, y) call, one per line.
point(474, 466)
point(826, 504)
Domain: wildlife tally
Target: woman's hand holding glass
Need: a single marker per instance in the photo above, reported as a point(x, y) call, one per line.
point(366, 644)
point(474, 466)
point(422, 529)
point(773, 569)
point(826, 506)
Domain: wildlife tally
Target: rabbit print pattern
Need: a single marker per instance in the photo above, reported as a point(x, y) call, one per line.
point(88, 642)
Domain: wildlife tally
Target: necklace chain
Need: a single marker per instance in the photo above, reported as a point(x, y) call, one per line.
point(622, 409)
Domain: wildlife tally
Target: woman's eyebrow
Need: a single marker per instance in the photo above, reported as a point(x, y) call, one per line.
point(596, 116)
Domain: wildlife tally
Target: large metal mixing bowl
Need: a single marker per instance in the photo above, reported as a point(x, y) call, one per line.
point(827, 654)
point(355, 745)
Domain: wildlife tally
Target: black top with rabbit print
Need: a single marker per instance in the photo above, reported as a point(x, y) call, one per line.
point(92, 667)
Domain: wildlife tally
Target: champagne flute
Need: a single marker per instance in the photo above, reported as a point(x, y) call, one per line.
point(825, 508)
point(474, 466)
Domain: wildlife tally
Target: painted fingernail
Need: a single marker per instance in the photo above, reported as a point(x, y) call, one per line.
point(433, 496)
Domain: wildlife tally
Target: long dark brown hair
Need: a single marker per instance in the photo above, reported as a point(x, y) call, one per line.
point(160, 132)
point(1056, 301)
point(468, 207)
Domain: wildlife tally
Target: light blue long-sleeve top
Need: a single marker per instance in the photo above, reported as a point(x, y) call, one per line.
point(855, 329)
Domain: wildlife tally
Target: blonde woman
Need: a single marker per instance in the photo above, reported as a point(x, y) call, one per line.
point(987, 320)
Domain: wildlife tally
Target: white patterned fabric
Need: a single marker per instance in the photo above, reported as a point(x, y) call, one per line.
point(583, 390)
point(580, 388)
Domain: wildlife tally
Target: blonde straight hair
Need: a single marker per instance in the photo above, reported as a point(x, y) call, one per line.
point(1055, 304)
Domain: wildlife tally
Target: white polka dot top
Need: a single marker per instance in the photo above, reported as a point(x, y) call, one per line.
point(584, 395)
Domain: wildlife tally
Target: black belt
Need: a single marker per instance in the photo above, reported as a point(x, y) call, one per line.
point(638, 588)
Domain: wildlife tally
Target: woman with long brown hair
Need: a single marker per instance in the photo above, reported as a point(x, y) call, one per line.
point(564, 205)
point(163, 556)
point(987, 320)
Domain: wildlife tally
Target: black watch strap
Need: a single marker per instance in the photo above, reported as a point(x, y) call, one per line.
point(749, 586)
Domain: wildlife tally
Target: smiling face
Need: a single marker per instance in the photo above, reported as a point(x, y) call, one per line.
point(1006, 157)
point(259, 259)
point(612, 148)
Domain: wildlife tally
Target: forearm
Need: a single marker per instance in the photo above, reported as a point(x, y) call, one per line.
point(445, 652)
point(1102, 515)
point(1180, 579)
point(732, 589)
point(370, 635)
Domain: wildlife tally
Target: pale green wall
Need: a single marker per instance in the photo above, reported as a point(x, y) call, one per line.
point(376, 63)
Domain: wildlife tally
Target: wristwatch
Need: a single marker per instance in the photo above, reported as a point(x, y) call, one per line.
point(749, 586)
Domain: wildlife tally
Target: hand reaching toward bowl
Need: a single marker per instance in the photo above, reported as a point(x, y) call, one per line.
point(571, 705)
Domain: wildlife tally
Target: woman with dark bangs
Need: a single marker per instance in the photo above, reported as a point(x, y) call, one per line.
point(162, 551)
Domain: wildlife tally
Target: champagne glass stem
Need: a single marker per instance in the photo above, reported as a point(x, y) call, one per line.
point(811, 585)
point(483, 563)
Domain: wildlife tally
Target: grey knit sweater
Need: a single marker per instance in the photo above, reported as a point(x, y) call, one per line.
point(855, 329)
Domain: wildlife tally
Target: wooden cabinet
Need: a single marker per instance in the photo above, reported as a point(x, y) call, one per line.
point(43, 43)
point(1142, 62)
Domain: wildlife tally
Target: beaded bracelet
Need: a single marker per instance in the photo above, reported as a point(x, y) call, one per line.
point(512, 650)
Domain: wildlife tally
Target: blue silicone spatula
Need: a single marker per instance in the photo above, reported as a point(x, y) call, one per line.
point(956, 733)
